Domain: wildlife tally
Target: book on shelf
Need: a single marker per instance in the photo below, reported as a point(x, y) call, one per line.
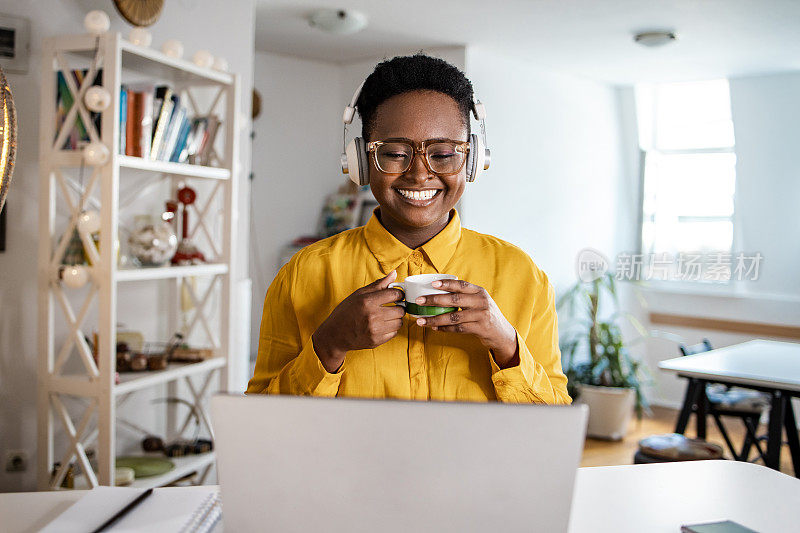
point(205, 149)
point(123, 118)
point(156, 125)
point(139, 123)
point(182, 141)
point(170, 141)
point(196, 135)
point(163, 103)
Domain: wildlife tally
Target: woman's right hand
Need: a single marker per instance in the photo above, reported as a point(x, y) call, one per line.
point(359, 322)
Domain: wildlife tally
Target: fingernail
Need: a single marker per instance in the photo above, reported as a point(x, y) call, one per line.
point(420, 321)
point(437, 283)
point(421, 300)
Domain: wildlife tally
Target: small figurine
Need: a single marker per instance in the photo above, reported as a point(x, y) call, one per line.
point(187, 253)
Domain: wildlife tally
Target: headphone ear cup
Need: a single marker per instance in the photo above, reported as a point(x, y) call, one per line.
point(363, 161)
point(357, 161)
point(472, 159)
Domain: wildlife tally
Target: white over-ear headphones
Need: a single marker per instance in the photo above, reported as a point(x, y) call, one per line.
point(355, 159)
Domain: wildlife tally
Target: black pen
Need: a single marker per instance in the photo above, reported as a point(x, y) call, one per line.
point(111, 521)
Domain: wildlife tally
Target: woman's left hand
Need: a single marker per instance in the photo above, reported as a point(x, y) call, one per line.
point(479, 315)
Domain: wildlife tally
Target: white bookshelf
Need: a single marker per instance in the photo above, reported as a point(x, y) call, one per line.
point(66, 370)
point(178, 169)
point(142, 274)
point(184, 466)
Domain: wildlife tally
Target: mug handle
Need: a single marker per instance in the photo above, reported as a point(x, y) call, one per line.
point(398, 285)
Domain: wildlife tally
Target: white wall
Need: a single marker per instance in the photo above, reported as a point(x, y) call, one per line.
point(556, 162)
point(296, 152)
point(766, 121)
point(223, 28)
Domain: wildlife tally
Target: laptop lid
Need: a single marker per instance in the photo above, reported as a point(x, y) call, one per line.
point(288, 463)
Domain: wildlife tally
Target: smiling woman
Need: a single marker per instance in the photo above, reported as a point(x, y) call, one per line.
point(330, 326)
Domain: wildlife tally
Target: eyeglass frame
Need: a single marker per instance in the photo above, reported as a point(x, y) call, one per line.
point(419, 148)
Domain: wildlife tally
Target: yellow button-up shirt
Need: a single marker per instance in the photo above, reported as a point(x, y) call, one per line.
point(418, 363)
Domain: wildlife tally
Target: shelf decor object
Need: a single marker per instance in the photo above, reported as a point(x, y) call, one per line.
point(173, 48)
point(97, 99)
point(96, 22)
point(8, 137)
point(86, 187)
point(140, 36)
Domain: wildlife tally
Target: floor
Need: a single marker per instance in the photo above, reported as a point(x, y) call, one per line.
point(603, 453)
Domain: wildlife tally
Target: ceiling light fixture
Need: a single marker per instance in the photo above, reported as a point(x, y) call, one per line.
point(654, 39)
point(340, 21)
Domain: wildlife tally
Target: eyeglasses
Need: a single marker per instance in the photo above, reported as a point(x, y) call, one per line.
point(442, 157)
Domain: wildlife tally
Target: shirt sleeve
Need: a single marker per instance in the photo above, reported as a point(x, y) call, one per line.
point(538, 378)
point(287, 362)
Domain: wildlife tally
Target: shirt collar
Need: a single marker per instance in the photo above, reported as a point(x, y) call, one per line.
point(390, 252)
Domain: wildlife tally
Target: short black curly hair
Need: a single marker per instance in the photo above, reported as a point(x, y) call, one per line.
point(403, 74)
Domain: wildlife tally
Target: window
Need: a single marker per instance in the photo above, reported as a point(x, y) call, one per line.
point(686, 136)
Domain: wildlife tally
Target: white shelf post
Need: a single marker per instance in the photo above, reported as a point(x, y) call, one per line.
point(230, 228)
point(106, 272)
point(47, 209)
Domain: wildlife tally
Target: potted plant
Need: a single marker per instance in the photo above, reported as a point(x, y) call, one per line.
point(610, 381)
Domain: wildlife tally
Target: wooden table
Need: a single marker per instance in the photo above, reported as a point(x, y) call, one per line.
point(768, 366)
point(608, 499)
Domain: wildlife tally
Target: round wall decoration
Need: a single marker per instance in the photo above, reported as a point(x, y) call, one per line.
point(140, 12)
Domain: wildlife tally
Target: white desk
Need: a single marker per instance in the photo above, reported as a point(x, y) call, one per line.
point(612, 499)
point(769, 366)
point(756, 363)
point(661, 497)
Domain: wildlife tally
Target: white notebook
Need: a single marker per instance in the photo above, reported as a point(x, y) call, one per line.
point(174, 509)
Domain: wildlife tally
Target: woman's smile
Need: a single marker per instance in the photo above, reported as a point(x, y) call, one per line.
point(419, 197)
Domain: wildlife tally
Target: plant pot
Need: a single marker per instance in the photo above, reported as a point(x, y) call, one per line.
point(610, 410)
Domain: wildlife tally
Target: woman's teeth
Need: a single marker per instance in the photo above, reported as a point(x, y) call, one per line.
point(418, 195)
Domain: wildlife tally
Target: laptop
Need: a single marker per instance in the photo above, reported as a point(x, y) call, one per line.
point(290, 463)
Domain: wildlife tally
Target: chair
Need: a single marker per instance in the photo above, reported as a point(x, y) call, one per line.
point(724, 401)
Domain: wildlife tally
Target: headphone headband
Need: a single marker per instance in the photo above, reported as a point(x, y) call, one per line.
point(350, 110)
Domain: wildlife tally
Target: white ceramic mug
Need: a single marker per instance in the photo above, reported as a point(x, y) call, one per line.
point(415, 286)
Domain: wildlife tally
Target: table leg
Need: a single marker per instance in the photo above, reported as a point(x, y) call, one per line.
point(775, 430)
point(790, 425)
point(687, 408)
point(702, 409)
